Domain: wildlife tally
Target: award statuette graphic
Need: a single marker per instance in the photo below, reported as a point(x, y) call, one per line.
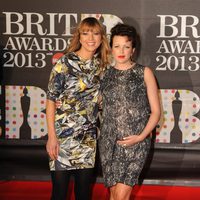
point(25, 129)
point(176, 133)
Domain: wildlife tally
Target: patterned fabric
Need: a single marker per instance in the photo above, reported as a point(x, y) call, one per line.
point(126, 111)
point(76, 84)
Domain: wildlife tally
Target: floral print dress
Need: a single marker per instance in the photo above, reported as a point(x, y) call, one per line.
point(125, 112)
point(76, 84)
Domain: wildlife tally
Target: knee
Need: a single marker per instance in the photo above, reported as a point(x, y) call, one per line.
point(119, 196)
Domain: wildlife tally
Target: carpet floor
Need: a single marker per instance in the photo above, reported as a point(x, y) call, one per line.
point(41, 190)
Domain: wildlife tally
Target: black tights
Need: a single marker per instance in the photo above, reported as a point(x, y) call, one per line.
point(82, 184)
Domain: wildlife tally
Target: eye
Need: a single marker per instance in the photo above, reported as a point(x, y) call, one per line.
point(96, 33)
point(84, 33)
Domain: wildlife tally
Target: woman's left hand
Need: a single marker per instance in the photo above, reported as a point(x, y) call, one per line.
point(129, 140)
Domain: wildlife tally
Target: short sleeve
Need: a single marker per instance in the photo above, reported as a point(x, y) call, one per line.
point(57, 80)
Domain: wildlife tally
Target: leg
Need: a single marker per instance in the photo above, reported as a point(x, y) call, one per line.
point(122, 192)
point(83, 180)
point(112, 192)
point(60, 181)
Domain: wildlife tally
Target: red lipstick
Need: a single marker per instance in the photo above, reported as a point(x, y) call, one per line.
point(121, 56)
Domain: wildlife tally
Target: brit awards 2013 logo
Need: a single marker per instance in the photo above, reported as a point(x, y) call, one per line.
point(178, 53)
point(35, 41)
point(32, 38)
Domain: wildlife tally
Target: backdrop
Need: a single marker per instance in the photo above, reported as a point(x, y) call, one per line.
point(35, 34)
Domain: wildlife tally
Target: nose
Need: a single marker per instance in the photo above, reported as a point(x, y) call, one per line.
point(91, 36)
point(122, 50)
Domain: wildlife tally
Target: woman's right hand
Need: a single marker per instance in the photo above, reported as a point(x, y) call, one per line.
point(52, 147)
point(58, 104)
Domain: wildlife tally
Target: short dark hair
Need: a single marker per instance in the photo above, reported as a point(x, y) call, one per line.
point(124, 30)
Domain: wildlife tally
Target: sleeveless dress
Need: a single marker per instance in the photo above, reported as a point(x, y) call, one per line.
point(76, 84)
point(125, 111)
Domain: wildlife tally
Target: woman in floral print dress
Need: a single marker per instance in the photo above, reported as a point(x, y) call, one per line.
point(75, 82)
point(131, 110)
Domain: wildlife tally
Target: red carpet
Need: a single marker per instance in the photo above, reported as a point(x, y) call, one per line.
point(32, 190)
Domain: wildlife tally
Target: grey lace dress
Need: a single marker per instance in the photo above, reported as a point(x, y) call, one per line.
point(125, 112)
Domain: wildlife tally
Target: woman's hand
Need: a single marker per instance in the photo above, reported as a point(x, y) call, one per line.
point(58, 104)
point(130, 140)
point(52, 147)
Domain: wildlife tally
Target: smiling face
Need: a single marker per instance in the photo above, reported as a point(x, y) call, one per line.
point(122, 51)
point(90, 40)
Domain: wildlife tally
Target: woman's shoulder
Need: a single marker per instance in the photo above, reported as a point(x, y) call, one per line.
point(63, 63)
point(142, 68)
point(139, 66)
point(142, 71)
point(145, 72)
point(70, 56)
point(68, 59)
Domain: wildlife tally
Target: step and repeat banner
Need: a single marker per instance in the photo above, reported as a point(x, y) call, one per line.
point(35, 34)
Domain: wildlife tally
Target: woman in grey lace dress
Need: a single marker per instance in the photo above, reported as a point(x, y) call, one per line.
point(131, 111)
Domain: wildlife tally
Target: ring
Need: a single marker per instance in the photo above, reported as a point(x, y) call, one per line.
point(124, 145)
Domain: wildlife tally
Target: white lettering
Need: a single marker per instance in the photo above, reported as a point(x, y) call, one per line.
point(30, 24)
point(16, 23)
point(10, 44)
point(163, 48)
point(169, 28)
point(182, 26)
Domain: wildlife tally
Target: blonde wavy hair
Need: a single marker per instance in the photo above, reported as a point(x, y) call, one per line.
point(91, 24)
